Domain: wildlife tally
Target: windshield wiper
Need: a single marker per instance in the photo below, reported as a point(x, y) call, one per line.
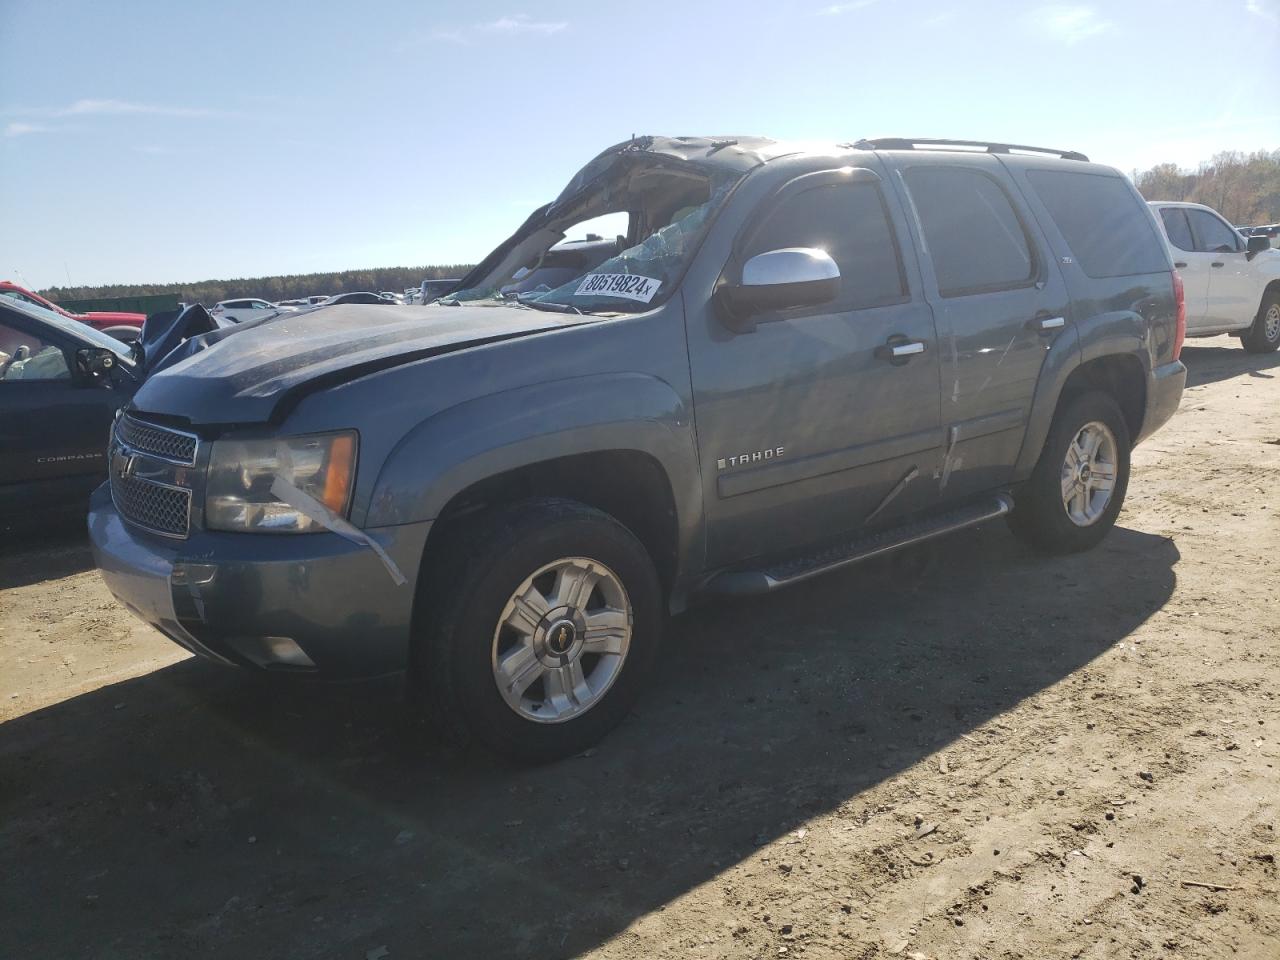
point(552, 306)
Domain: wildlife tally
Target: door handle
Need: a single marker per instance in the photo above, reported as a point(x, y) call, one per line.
point(1045, 324)
point(899, 350)
point(1180, 264)
point(1217, 263)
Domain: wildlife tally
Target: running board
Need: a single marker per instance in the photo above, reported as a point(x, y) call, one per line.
point(779, 575)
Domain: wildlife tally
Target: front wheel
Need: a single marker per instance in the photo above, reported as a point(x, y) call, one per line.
point(1264, 335)
point(543, 622)
point(1078, 486)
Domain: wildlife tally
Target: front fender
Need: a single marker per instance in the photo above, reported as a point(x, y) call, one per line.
point(469, 442)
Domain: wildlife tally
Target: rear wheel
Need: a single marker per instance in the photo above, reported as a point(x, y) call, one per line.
point(1264, 335)
point(544, 620)
point(1077, 488)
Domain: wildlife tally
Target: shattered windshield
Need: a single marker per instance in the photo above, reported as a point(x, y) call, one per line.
point(627, 275)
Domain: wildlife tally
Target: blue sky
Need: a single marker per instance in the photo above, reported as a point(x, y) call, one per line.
point(163, 141)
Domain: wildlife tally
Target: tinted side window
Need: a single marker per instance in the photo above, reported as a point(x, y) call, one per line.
point(848, 221)
point(1175, 224)
point(972, 233)
point(1107, 228)
point(1213, 235)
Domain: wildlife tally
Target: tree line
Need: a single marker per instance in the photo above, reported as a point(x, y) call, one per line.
point(1243, 187)
point(289, 287)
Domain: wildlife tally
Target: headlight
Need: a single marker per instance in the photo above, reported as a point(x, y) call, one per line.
point(241, 473)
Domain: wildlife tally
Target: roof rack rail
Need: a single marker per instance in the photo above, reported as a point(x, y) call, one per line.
point(910, 143)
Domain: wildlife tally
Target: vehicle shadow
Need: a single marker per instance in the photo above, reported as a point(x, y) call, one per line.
point(192, 812)
point(47, 547)
point(1224, 360)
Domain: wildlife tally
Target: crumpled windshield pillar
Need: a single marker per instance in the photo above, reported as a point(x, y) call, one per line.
point(670, 206)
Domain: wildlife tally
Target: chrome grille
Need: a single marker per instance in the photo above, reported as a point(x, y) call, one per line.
point(157, 441)
point(150, 482)
point(154, 506)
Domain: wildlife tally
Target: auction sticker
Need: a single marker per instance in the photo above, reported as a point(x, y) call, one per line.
point(626, 286)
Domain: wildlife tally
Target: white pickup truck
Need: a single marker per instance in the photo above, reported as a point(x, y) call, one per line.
point(1232, 285)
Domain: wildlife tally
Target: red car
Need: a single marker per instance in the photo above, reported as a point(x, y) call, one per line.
point(122, 326)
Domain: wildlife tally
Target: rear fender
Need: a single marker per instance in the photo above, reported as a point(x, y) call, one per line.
point(1102, 335)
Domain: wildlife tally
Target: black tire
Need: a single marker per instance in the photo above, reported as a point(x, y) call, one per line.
point(1040, 516)
point(463, 591)
point(1264, 335)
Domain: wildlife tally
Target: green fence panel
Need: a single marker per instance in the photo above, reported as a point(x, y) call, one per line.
point(150, 304)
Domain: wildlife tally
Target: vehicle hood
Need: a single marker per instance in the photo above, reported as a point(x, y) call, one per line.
point(108, 317)
point(256, 372)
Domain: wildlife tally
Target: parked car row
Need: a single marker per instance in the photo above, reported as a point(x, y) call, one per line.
point(1269, 230)
point(245, 309)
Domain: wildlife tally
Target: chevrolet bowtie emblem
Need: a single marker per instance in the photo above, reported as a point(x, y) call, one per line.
point(125, 464)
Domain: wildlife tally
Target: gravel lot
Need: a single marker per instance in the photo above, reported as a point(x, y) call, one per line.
point(967, 751)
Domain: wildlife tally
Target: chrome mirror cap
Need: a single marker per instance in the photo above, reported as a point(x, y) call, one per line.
point(778, 280)
point(789, 265)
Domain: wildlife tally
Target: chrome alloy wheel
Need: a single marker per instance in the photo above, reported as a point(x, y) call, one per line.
point(1271, 323)
point(1089, 473)
point(561, 640)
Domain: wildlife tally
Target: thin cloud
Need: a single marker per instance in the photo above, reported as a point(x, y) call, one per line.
point(510, 25)
point(942, 18)
point(105, 108)
point(117, 108)
point(835, 9)
point(1069, 24)
point(523, 23)
point(23, 129)
point(1266, 9)
point(450, 36)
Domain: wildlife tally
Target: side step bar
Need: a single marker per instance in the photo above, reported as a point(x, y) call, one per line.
point(779, 575)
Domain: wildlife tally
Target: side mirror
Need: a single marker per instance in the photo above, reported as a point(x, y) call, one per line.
point(779, 280)
point(1255, 245)
point(95, 363)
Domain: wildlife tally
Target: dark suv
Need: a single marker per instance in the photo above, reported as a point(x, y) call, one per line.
point(798, 358)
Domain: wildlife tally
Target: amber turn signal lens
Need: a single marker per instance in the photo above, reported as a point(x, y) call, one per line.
point(338, 472)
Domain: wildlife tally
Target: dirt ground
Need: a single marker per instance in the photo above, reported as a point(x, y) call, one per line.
point(969, 752)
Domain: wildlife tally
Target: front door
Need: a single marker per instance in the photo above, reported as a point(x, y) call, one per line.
point(53, 426)
point(1234, 296)
point(808, 427)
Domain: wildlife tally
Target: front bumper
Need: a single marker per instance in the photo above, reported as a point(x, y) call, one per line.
point(301, 602)
point(1164, 393)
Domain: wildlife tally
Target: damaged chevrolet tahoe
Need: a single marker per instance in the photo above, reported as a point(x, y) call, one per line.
point(794, 358)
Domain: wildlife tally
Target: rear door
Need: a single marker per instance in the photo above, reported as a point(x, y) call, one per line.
point(998, 303)
point(1234, 293)
point(1192, 265)
point(53, 424)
